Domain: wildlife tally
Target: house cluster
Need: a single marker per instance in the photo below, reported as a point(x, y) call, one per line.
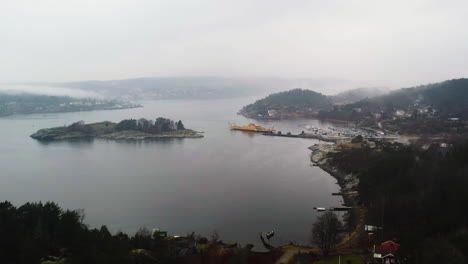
point(415, 109)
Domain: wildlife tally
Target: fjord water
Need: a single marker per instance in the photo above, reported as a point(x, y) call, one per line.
point(235, 183)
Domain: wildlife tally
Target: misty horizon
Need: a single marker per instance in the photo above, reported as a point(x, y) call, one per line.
point(250, 86)
point(246, 131)
point(397, 44)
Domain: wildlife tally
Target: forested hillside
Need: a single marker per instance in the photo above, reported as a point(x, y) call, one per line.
point(297, 102)
point(427, 109)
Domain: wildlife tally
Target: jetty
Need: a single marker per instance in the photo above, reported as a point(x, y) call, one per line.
point(344, 208)
point(306, 135)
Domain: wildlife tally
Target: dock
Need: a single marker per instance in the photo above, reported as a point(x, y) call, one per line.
point(305, 135)
point(344, 208)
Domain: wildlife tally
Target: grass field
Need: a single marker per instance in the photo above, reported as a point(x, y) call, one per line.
point(346, 259)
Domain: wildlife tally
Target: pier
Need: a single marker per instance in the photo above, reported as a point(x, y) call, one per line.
point(306, 135)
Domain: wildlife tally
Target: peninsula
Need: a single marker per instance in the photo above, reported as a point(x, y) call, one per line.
point(25, 104)
point(126, 129)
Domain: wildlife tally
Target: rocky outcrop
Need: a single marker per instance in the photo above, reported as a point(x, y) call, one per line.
point(50, 133)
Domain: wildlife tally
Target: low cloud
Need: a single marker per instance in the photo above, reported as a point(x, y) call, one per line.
point(47, 90)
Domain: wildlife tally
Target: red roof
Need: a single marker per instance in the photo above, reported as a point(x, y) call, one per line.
point(390, 246)
point(382, 251)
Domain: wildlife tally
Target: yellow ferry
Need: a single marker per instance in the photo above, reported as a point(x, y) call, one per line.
point(251, 127)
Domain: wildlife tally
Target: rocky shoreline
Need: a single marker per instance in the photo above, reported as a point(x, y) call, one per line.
point(347, 181)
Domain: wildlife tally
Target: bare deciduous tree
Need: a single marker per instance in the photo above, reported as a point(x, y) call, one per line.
point(325, 232)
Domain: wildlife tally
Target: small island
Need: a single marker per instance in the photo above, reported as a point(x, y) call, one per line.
point(126, 129)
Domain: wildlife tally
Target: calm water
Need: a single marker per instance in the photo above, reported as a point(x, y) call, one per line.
point(234, 182)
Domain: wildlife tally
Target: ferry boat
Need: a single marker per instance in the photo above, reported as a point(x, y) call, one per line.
point(251, 127)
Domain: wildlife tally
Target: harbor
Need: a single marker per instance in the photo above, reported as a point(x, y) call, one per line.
point(334, 134)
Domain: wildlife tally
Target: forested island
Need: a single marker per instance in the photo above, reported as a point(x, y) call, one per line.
point(125, 129)
point(16, 104)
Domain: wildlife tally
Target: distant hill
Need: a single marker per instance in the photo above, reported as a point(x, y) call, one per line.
point(165, 88)
point(354, 95)
point(14, 104)
point(293, 103)
point(426, 109)
point(449, 97)
point(193, 87)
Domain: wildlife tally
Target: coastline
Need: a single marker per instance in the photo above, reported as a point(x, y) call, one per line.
point(348, 189)
point(347, 182)
point(68, 111)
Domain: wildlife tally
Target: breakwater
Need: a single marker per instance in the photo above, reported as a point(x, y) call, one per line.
point(306, 135)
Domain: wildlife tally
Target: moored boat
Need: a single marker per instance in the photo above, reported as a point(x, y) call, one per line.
point(320, 209)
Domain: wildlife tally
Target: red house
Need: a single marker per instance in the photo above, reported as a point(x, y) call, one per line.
point(385, 252)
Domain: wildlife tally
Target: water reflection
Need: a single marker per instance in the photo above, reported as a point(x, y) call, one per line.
point(87, 141)
point(147, 141)
point(236, 182)
point(74, 142)
point(247, 133)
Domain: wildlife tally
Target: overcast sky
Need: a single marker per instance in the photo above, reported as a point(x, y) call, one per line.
point(386, 43)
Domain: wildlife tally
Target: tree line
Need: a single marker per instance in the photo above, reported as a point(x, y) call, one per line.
point(45, 233)
point(157, 126)
point(148, 126)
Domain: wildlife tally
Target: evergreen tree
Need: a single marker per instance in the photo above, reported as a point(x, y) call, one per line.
point(180, 125)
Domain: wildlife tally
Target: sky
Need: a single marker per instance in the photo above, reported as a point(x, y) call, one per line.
point(375, 43)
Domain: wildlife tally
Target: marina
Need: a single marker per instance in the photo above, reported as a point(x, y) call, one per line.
point(334, 134)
